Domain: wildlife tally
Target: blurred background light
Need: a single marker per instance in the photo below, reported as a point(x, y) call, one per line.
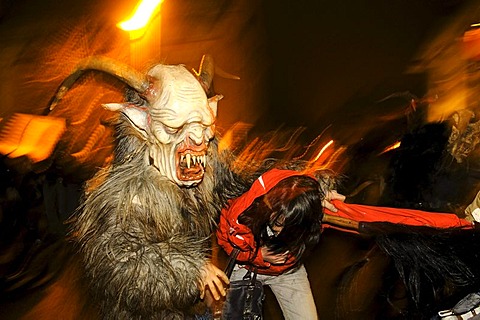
point(144, 12)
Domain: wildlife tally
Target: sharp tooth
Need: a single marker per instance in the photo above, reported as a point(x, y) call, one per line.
point(188, 160)
point(194, 159)
point(205, 161)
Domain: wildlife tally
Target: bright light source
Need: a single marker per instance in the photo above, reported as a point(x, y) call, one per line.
point(323, 150)
point(144, 12)
point(394, 146)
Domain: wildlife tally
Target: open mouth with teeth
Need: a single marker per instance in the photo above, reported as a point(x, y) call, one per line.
point(191, 165)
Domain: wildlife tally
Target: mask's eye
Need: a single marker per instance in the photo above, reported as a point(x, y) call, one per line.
point(171, 130)
point(210, 132)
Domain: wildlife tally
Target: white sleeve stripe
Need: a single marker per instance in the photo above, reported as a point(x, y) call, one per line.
point(261, 182)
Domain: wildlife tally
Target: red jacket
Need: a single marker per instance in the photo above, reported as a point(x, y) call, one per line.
point(411, 217)
point(230, 233)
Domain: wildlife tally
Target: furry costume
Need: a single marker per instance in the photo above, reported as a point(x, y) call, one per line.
point(145, 239)
point(145, 222)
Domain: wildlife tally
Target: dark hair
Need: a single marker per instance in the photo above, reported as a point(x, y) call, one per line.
point(298, 199)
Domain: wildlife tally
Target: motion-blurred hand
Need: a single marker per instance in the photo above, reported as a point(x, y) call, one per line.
point(274, 258)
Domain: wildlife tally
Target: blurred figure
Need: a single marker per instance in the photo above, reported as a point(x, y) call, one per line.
point(275, 224)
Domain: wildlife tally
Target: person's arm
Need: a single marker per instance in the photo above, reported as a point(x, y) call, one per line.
point(273, 258)
point(241, 238)
point(246, 254)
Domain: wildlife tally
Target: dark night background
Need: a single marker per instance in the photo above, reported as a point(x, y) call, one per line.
point(332, 61)
point(311, 63)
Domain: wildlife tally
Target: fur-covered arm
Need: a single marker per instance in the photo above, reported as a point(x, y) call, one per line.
point(327, 180)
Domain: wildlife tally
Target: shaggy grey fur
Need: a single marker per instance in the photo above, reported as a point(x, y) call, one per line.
point(143, 238)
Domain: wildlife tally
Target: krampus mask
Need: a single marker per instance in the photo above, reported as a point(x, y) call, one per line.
point(168, 109)
point(144, 225)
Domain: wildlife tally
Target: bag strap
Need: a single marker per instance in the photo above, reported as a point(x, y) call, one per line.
point(232, 259)
point(252, 291)
point(231, 262)
point(251, 276)
point(254, 278)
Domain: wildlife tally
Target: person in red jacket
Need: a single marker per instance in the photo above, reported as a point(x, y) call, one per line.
point(274, 224)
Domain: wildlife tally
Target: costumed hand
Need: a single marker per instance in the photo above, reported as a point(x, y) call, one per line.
point(332, 195)
point(214, 279)
point(274, 258)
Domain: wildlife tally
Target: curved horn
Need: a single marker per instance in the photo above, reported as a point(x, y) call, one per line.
point(206, 72)
point(122, 71)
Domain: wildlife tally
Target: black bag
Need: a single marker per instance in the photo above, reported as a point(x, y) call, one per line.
point(244, 300)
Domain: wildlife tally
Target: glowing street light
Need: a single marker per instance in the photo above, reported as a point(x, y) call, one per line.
point(144, 12)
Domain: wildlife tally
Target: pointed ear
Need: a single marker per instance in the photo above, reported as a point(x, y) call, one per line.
point(136, 116)
point(213, 101)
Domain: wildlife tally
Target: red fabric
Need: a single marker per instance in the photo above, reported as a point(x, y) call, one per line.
point(231, 233)
point(364, 213)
